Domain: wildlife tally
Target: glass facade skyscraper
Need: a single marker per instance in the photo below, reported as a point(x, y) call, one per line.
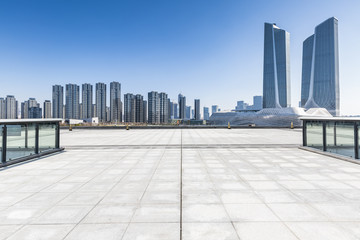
point(87, 100)
point(197, 109)
point(276, 79)
point(206, 113)
point(182, 106)
point(72, 107)
point(153, 107)
point(100, 101)
point(57, 101)
point(115, 102)
point(320, 68)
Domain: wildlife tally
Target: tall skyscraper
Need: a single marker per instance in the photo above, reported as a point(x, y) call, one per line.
point(129, 107)
point(320, 68)
point(197, 109)
point(87, 101)
point(214, 109)
point(153, 107)
point(139, 108)
point(182, 106)
point(72, 108)
point(206, 113)
point(11, 107)
point(57, 101)
point(176, 110)
point(276, 79)
point(169, 110)
point(188, 113)
point(145, 111)
point(47, 109)
point(115, 102)
point(100, 101)
point(2, 108)
point(164, 108)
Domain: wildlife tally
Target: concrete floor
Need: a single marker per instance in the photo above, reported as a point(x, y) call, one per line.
point(214, 184)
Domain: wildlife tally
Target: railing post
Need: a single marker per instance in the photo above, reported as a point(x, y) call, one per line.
point(334, 133)
point(356, 140)
point(36, 138)
point(304, 134)
point(26, 136)
point(57, 135)
point(324, 135)
point(4, 138)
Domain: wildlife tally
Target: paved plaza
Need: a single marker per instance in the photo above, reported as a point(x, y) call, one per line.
point(190, 184)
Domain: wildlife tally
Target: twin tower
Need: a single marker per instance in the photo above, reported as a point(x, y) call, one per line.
point(320, 68)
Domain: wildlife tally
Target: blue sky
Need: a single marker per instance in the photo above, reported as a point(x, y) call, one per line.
point(212, 50)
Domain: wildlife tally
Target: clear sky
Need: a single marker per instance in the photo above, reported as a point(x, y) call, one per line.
point(207, 49)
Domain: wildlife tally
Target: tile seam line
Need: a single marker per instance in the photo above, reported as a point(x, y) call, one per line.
point(181, 183)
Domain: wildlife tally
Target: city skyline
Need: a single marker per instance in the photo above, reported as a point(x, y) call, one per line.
point(224, 66)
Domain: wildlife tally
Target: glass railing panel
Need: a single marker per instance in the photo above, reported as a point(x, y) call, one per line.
point(47, 137)
point(314, 133)
point(20, 141)
point(341, 138)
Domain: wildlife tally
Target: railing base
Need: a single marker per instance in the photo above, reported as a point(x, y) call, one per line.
point(330, 154)
point(30, 157)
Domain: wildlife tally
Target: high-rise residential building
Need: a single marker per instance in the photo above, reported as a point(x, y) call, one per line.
point(94, 113)
point(129, 107)
point(57, 101)
point(72, 101)
point(173, 110)
point(188, 113)
point(214, 109)
point(206, 113)
point(276, 79)
point(320, 68)
point(169, 110)
point(100, 101)
point(115, 102)
point(35, 112)
point(2, 108)
point(197, 109)
point(192, 114)
point(107, 114)
point(164, 108)
point(182, 106)
point(153, 107)
point(145, 111)
point(11, 107)
point(81, 111)
point(87, 101)
point(47, 109)
point(139, 108)
point(258, 102)
point(26, 105)
point(176, 110)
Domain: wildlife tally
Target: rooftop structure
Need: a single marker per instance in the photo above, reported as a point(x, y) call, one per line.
point(267, 117)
